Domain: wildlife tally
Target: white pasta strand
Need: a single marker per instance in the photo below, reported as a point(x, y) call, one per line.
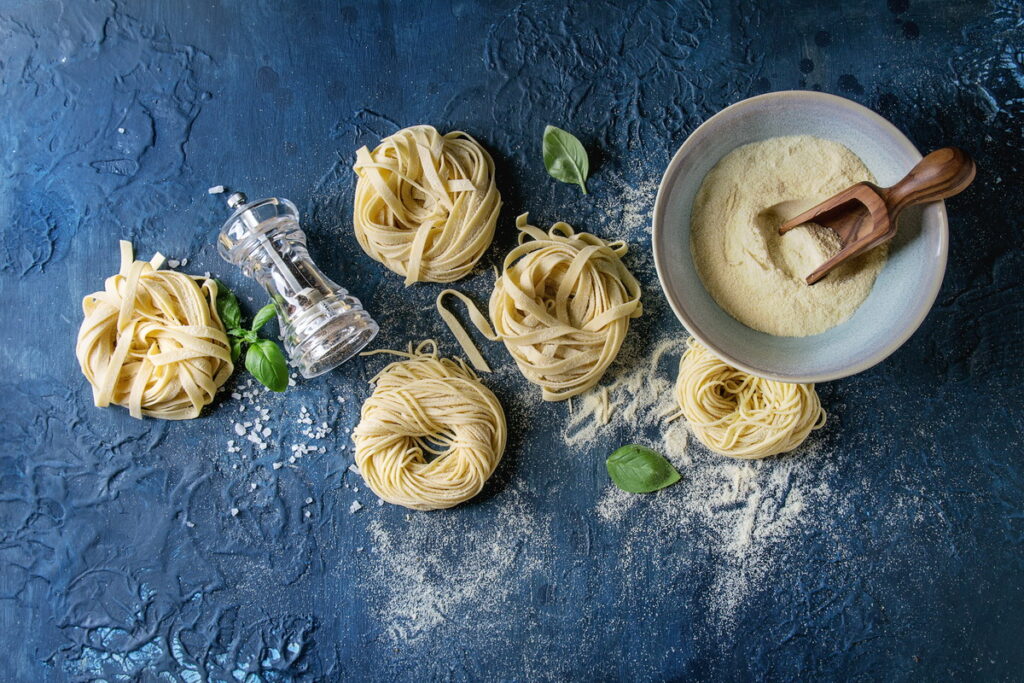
point(426, 204)
point(562, 306)
point(737, 414)
point(425, 405)
point(152, 341)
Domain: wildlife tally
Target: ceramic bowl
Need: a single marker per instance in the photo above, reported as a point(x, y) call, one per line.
point(904, 290)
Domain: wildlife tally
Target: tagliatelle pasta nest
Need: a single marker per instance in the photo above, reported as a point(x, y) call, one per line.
point(426, 204)
point(562, 306)
point(152, 341)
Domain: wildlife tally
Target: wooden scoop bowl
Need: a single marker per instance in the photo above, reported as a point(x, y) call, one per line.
point(864, 215)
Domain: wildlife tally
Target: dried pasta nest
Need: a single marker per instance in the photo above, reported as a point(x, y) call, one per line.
point(430, 434)
point(152, 341)
point(741, 415)
point(426, 204)
point(562, 306)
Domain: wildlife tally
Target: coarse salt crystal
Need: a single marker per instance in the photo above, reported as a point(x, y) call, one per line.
point(356, 506)
point(234, 512)
point(278, 465)
point(239, 429)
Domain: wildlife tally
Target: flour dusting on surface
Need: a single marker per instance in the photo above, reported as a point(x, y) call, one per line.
point(741, 513)
point(430, 572)
point(627, 206)
point(639, 393)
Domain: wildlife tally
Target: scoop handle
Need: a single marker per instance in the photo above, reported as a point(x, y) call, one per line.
point(943, 173)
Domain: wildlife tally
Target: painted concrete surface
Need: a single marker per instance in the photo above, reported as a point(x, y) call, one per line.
point(890, 547)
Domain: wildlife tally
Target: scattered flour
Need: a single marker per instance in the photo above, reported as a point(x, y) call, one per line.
point(627, 207)
point(742, 512)
point(639, 394)
point(439, 566)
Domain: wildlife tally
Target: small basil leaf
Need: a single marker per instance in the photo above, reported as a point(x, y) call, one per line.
point(263, 316)
point(236, 349)
point(248, 336)
point(266, 363)
point(638, 469)
point(227, 307)
point(565, 158)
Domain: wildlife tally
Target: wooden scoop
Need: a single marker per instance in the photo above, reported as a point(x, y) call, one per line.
point(864, 215)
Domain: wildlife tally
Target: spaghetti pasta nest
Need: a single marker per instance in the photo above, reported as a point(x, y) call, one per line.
point(562, 306)
point(740, 415)
point(426, 204)
point(426, 406)
point(152, 341)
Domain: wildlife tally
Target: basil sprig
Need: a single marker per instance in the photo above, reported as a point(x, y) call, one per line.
point(565, 158)
point(638, 469)
point(263, 359)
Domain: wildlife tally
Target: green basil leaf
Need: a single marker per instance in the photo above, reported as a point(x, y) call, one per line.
point(263, 316)
point(227, 307)
point(248, 336)
point(638, 469)
point(236, 349)
point(565, 158)
point(266, 363)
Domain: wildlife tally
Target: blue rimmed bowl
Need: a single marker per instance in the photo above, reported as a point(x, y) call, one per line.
point(904, 290)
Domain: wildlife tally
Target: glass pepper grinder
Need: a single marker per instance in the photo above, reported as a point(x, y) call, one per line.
point(322, 325)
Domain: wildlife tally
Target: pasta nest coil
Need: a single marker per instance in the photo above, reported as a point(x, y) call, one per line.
point(152, 341)
point(430, 434)
point(426, 204)
point(562, 306)
point(741, 415)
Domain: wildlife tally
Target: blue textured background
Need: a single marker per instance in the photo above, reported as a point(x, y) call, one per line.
point(119, 558)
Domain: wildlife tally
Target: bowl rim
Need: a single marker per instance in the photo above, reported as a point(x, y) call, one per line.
point(668, 179)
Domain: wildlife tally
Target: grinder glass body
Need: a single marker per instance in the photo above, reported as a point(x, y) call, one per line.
point(322, 325)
